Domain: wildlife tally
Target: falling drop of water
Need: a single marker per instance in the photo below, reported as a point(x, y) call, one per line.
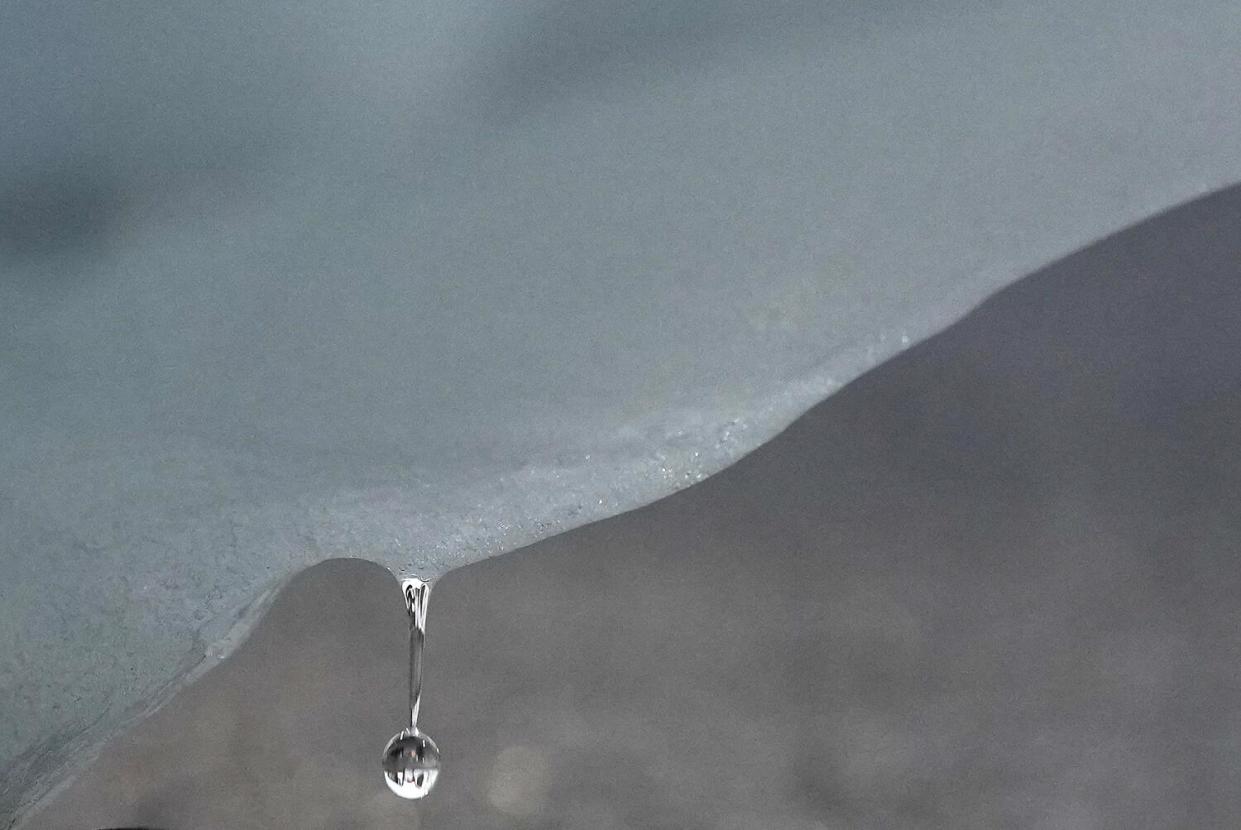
point(411, 760)
point(411, 764)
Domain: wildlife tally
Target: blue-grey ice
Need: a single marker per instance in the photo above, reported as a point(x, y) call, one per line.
point(424, 282)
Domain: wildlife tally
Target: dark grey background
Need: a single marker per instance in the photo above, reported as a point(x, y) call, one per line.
point(992, 583)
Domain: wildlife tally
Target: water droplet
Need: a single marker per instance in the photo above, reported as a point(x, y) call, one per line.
point(411, 763)
point(411, 760)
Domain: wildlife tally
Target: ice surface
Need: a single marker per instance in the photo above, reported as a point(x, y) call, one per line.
point(422, 283)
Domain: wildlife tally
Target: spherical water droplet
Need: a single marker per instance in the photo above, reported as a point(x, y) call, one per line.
point(411, 764)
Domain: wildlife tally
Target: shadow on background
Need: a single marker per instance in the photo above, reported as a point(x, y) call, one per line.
point(992, 583)
point(549, 51)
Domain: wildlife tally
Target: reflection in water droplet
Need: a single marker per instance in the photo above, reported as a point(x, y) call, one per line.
point(411, 760)
point(411, 763)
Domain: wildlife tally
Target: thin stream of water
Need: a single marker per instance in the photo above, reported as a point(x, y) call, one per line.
point(411, 760)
